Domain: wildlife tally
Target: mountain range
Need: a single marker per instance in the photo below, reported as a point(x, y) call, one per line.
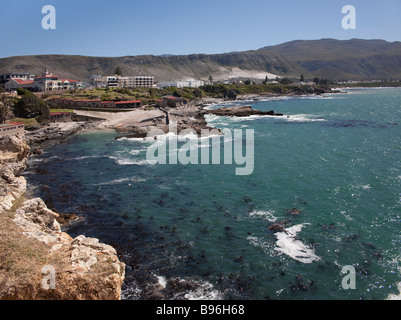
point(354, 59)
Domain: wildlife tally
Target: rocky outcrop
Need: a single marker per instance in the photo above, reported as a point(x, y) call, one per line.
point(55, 266)
point(243, 111)
point(55, 132)
point(193, 118)
point(13, 161)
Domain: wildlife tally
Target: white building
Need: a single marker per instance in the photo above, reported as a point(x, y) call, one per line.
point(98, 80)
point(14, 84)
point(181, 84)
point(122, 82)
point(49, 82)
point(24, 76)
point(46, 82)
point(11, 129)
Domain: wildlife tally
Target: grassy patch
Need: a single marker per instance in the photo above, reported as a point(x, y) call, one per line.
point(27, 122)
point(20, 257)
point(61, 110)
point(16, 205)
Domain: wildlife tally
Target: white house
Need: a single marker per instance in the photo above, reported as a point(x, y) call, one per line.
point(14, 84)
point(49, 82)
point(191, 83)
point(122, 82)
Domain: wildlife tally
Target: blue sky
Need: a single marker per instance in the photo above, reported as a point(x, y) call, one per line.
point(132, 27)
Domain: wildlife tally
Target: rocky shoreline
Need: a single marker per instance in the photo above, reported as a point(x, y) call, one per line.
point(190, 117)
point(37, 260)
point(85, 269)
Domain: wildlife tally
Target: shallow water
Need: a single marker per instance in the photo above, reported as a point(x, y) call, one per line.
point(200, 231)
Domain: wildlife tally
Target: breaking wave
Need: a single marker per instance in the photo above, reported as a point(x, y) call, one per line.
point(288, 244)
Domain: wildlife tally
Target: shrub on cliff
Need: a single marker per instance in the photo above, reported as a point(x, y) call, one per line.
point(5, 104)
point(30, 106)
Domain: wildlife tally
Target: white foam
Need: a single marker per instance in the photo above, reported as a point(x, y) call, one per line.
point(395, 296)
point(204, 291)
point(259, 243)
point(133, 292)
point(84, 157)
point(131, 139)
point(303, 118)
point(225, 121)
point(130, 161)
point(161, 280)
point(134, 152)
point(289, 245)
point(267, 215)
point(118, 181)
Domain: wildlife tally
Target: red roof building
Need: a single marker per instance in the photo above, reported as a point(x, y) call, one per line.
point(11, 129)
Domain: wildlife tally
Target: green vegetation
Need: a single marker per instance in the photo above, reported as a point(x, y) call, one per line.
point(5, 104)
point(370, 84)
point(30, 106)
point(118, 71)
point(61, 110)
point(327, 58)
point(149, 96)
point(29, 123)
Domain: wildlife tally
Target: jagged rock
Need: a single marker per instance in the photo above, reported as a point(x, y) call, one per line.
point(294, 211)
point(85, 269)
point(13, 161)
point(243, 111)
point(13, 149)
point(280, 226)
point(134, 132)
point(38, 221)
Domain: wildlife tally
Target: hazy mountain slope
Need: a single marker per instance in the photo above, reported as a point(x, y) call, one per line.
point(343, 59)
point(326, 58)
point(162, 68)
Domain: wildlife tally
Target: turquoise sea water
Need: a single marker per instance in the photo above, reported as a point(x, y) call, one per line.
point(200, 231)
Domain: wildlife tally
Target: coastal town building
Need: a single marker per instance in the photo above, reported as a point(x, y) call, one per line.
point(11, 129)
point(49, 82)
point(122, 82)
point(45, 82)
point(14, 84)
point(24, 76)
point(181, 84)
point(171, 102)
point(144, 82)
point(111, 81)
point(97, 81)
point(60, 117)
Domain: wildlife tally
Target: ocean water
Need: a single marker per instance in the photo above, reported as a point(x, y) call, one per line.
point(202, 232)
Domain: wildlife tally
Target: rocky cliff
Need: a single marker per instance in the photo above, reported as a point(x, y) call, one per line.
point(37, 259)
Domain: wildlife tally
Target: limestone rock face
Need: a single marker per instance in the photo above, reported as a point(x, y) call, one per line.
point(13, 149)
point(14, 153)
point(80, 268)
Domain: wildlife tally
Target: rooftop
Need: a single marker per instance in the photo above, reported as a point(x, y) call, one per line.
point(10, 124)
point(59, 113)
point(125, 102)
point(20, 81)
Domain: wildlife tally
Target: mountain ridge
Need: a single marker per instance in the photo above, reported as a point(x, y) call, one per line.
point(356, 59)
